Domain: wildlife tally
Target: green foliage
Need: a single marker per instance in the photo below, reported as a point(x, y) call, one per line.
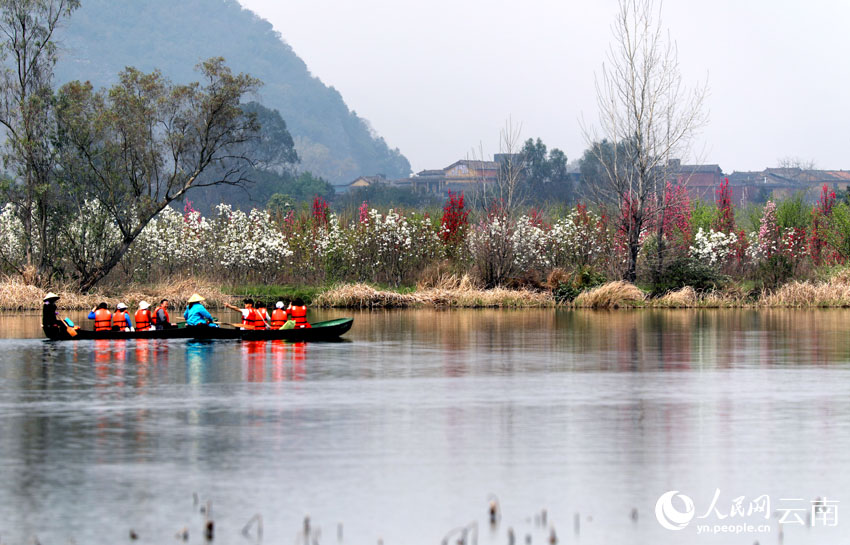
point(703, 215)
point(584, 278)
point(104, 36)
point(271, 293)
point(749, 217)
point(774, 271)
point(546, 175)
point(384, 196)
point(599, 162)
point(838, 230)
point(687, 271)
point(793, 213)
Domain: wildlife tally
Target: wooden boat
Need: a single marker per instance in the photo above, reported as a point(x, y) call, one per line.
point(320, 331)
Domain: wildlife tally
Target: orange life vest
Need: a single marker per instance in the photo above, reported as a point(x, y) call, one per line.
point(167, 318)
point(278, 318)
point(143, 319)
point(102, 320)
point(120, 319)
point(254, 320)
point(299, 314)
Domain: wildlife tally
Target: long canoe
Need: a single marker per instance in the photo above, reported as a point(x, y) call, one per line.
point(320, 331)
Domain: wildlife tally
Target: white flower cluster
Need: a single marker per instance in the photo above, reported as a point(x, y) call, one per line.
point(384, 247)
point(244, 242)
point(713, 247)
point(11, 234)
point(93, 231)
point(575, 242)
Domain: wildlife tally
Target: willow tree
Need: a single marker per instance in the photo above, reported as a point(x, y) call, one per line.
point(143, 144)
point(28, 55)
point(648, 116)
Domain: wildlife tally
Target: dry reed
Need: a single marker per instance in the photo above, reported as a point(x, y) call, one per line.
point(834, 293)
point(611, 295)
point(15, 294)
point(684, 298)
point(452, 291)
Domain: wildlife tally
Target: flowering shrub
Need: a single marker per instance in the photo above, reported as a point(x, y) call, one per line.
point(725, 220)
point(11, 240)
point(820, 223)
point(314, 245)
point(767, 241)
point(454, 221)
point(713, 247)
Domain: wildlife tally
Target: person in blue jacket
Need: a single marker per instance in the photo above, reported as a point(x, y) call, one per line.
point(196, 315)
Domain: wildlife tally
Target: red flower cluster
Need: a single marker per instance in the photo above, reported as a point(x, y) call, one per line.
point(455, 219)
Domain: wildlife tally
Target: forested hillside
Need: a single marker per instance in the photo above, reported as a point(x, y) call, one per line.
point(104, 36)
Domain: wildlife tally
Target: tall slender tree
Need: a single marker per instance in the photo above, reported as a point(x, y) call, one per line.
point(28, 54)
point(647, 115)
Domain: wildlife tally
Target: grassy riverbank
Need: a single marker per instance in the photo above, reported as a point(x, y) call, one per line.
point(453, 292)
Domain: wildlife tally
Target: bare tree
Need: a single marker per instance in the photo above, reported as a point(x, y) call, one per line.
point(649, 118)
point(789, 162)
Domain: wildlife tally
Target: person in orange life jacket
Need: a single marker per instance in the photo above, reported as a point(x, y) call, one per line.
point(298, 312)
point(102, 317)
point(278, 316)
point(161, 318)
point(121, 318)
point(144, 318)
point(251, 319)
point(261, 308)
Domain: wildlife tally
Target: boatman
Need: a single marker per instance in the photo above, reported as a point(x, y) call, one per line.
point(49, 314)
point(144, 319)
point(196, 315)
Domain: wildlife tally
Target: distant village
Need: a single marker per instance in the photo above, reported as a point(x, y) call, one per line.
point(702, 181)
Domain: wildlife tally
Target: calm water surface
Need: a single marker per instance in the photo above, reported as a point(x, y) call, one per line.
point(403, 432)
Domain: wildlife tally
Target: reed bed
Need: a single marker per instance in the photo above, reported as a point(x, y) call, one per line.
point(453, 293)
point(15, 294)
point(833, 293)
point(612, 295)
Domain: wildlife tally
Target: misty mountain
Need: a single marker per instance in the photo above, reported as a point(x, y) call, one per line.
point(104, 36)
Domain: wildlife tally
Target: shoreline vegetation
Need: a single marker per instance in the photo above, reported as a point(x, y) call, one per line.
point(453, 292)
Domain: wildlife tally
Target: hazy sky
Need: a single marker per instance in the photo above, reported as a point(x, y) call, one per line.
point(438, 79)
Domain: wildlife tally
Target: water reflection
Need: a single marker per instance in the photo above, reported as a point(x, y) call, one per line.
point(404, 430)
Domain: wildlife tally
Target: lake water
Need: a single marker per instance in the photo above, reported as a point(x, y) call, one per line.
point(403, 432)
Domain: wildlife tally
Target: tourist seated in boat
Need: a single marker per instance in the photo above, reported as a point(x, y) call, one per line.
point(298, 312)
point(196, 315)
point(161, 318)
point(261, 308)
point(49, 313)
point(279, 316)
point(144, 317)
point(251, 319)
point(121, 318)
point(102, 317)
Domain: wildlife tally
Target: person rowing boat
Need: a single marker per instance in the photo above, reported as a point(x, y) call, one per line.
point(196, 315)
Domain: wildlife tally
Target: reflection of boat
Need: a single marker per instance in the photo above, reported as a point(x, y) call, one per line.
point(320, 331)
